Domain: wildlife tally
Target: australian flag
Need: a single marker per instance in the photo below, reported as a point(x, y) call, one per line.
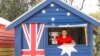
point(31, 38)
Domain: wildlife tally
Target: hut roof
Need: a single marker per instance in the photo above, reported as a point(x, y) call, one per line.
point(43, 4)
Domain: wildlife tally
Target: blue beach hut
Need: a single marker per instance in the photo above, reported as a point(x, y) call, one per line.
point(34, 29)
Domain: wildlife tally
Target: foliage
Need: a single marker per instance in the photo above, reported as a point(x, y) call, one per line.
point(96, 15)
point(10, 9)
point(99, 4)
point(79, 5)
point(97, 40)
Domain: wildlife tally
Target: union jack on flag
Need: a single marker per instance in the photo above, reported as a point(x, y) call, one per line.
point(32, 35)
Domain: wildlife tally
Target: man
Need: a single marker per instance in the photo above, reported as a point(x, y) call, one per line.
point(64, 38)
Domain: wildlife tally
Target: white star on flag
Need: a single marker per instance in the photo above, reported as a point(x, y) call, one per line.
point(67, 49)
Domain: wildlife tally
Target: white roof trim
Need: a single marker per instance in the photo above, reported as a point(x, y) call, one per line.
point(4, 21)
point(74, 25)
point(27, 12)
point(68, 25)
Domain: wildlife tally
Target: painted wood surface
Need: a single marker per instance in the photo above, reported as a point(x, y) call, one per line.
point(6, 41)
point(52, 12)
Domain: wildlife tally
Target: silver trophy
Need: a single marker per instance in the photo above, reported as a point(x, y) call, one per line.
point(54, 35)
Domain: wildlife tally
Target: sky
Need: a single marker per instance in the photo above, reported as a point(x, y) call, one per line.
point(90, 6)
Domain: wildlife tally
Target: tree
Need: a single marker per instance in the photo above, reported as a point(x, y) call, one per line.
point(79, 6)
point(32, 3)
point(96, 15)
point(70, 2)
point(99, 4)
point(97, 29)
point(10, 9)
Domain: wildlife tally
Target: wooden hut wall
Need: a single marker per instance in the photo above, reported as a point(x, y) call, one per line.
point(6, 41)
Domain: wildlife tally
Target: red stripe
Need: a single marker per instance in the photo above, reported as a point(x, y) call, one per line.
point(6, 38)
point(33, 39)
point(6, 35)
point(6, 46)
point(6, 31)
point(29, 52)
point(40, 52)
point(1, 44)
point(6, 41)
point(26, 52)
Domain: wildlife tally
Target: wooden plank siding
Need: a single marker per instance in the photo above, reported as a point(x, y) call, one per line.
point(6, 41)
point(51, 12)
point(61, 18)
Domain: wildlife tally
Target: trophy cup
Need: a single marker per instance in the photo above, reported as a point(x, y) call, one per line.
point(54, 35)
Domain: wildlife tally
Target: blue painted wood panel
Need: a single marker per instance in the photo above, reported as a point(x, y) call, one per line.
point(53, 50)
point(83, 54)
point(83, 50)
point(60, 17)
point(51, 12)
point(18, 41)
point(90, 35)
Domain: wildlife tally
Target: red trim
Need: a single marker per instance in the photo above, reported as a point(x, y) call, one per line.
point(33, 39)
point(29, 52)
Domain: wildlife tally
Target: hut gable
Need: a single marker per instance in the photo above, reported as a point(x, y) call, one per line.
point(59, 6)
point(55, 12)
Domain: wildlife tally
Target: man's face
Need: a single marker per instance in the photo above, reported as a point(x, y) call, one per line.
point(64, 32)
